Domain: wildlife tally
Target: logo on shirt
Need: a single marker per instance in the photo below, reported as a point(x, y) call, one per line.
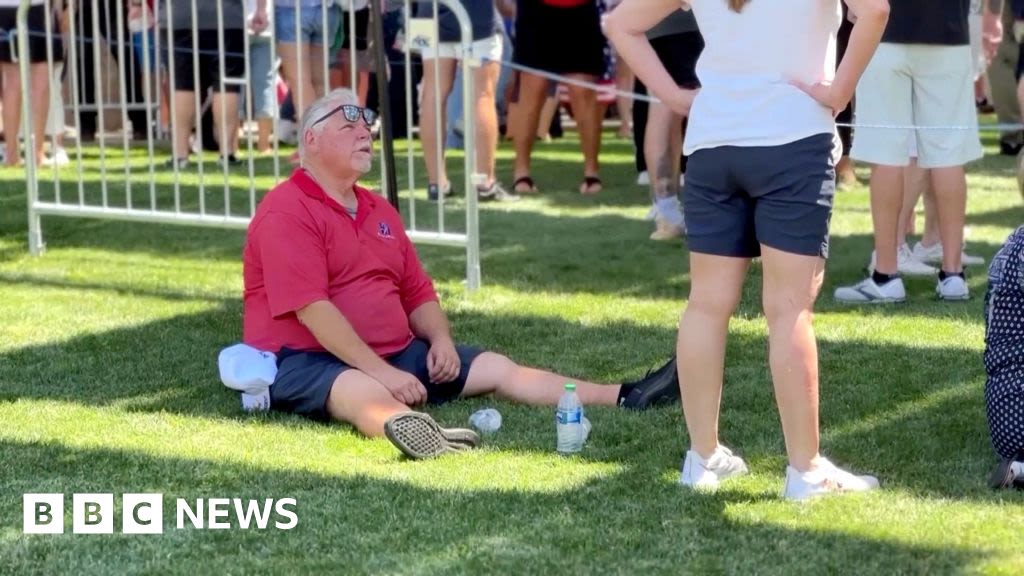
point(384, 231)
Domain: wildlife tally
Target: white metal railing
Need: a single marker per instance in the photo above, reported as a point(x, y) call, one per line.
point(106, 180)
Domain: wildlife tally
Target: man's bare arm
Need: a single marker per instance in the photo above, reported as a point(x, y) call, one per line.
point(333, 331)
point(429, 322)
point(336, 335)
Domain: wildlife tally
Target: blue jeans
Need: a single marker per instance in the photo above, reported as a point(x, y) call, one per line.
point(261, 81)
point(310, 24)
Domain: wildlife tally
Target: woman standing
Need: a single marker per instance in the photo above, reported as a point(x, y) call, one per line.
point(760, 182)
point(561, 37)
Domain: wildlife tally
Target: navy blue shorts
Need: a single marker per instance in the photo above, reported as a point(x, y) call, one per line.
point(304, 379)
point(739, 197)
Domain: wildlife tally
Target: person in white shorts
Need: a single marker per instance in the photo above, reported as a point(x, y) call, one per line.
point(921, 75)
point(922, 258)
point(439, 61)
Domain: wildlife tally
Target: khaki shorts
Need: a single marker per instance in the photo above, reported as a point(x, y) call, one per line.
point(917, 85)
point(489, 49)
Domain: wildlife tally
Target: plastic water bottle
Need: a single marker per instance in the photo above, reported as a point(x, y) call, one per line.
point(487, 421)
point(569, 422)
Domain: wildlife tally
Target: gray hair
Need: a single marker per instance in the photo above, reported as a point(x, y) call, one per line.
point(316, 111)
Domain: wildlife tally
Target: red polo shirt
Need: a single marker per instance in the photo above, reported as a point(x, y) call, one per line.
point(302, 246)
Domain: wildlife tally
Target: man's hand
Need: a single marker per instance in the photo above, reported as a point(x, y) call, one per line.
point(443, 362)
point(823, 93)
point(682, 101)
point(404, 387)
point(991, 35)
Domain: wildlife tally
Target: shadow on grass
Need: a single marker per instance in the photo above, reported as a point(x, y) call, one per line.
point(364, 524)
point(1011, 217)
point(891, 409)
point(524, 250)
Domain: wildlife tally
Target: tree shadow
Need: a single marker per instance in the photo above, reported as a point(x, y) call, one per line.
point(368, 524)
point(1010, 217)
point(897, 410)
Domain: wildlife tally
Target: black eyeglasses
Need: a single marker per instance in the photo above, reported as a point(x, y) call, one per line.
point(352, 113)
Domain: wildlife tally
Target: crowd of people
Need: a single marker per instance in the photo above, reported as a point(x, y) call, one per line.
point(740, 151)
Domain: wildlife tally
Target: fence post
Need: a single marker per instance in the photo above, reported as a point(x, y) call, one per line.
point(35, 228)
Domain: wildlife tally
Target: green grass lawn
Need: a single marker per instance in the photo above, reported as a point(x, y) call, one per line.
point(108, 384)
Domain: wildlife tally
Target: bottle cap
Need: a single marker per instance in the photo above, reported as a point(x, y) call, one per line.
point(570, 386)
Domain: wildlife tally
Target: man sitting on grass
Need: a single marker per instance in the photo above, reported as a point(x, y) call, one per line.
point(334, 287)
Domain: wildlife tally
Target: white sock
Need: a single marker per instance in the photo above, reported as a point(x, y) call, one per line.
point(668, 208)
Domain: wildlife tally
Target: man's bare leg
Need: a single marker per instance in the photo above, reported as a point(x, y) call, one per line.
point(495, 374)
point(358, 399)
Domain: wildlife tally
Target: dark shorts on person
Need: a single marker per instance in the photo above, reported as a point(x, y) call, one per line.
point(304, 379)
point(559, 40)
point(737, 198)
point(36, 39)
point(678, 54)
point(208, 60)
point(1020, 62)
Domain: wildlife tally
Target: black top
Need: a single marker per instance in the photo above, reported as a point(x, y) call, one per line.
point(941, 22)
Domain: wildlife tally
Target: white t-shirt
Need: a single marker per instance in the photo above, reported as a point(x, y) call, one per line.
point(749, 59)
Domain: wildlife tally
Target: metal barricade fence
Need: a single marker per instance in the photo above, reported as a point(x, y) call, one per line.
point(104, 177)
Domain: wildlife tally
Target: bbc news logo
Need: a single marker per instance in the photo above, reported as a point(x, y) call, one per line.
point(144, 513)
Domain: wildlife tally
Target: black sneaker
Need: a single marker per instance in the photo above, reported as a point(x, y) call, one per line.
point(656, 388)
point(418, 436)
point(1010, 148)
point(433, 191)
point(230, 160)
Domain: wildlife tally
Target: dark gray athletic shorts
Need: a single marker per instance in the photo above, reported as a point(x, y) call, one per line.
point(304, 379)
point(737, 198)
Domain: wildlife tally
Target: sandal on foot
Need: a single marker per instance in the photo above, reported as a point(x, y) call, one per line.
point(530, 186)
point(418, 436)
point(590, 185)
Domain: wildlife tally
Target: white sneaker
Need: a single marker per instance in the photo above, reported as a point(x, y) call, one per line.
point(867, 292)
point(702, 474)
point(934, 254)
point(953, 288)
point(58, 159)
point(826, 478)
point(643, 179)
point(907, 264)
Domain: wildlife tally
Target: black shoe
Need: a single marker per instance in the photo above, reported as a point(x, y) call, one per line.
point(418, 436)
point(433, 191)
point(1008, 149)
point(656, 388)
point(230, 160)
